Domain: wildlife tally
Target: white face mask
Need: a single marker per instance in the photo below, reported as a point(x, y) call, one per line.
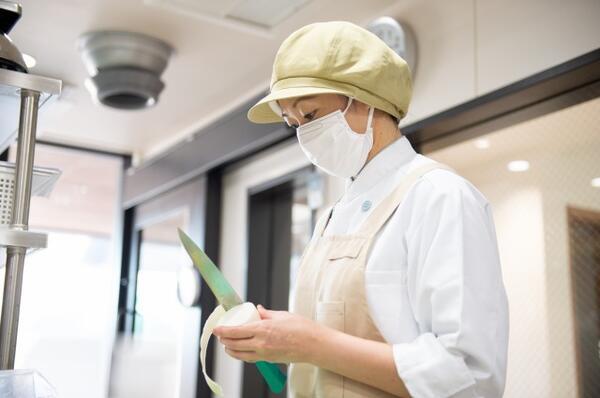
point(333, 146)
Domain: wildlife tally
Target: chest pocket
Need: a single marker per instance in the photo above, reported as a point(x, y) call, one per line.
point(349, 247)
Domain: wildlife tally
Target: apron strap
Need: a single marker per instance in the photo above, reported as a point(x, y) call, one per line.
point(388, 206)
point(322, 222)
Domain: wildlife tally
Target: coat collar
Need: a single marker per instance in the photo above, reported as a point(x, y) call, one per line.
point(392, 158)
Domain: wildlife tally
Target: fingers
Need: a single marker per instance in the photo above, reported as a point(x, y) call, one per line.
point(239, 344)
point(246, 356)
point(235, 332)
point(264, 313)
point(270, 314)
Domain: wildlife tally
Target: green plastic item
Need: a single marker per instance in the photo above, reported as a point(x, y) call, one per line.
point(228, 298)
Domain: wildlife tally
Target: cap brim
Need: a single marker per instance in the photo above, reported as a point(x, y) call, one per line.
point(261, 112)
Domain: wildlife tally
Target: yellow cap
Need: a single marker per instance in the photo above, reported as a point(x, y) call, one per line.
point(336, 57)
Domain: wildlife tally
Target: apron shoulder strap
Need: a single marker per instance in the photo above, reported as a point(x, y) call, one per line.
point(322, 222)
point(388, 206)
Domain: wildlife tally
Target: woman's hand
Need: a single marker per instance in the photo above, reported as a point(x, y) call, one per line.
point(284, 337)
point(279, 336)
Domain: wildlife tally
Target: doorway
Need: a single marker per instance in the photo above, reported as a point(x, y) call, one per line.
point(269, 206)
point(280, 225)
point(584, 253)
point(159, 334)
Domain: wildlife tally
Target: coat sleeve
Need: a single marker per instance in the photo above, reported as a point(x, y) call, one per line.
point(456, 294)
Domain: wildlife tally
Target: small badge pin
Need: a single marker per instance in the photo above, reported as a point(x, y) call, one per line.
point(366, 205)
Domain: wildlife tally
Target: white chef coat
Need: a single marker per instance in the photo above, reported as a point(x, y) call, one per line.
point(433, 279)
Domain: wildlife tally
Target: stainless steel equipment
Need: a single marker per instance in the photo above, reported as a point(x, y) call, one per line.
point(16, 84)
point(10, 56)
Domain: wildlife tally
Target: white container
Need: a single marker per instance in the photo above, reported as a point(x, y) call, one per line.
point(24, 383)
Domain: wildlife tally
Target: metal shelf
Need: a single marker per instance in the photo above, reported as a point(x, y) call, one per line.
point(11, 85)
point(23, 94)
point(18, 80)
point(17, 238)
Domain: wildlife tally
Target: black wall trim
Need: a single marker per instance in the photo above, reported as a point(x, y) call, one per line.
point(559, 81)
point(127, 281)
point(226, 140)
point(84, 149)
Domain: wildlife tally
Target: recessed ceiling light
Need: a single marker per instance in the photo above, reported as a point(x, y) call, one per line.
point(482, 143)
point(518, 165)
point(596, 182)
point(29, 60)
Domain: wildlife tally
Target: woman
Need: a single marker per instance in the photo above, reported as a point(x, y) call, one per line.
point(400, 291)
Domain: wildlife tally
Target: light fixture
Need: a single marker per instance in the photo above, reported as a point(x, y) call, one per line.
point(124, 67)
point(518, 165)
point(482, 143)
point(29, 60)
point(10, 56)
point(595, 182)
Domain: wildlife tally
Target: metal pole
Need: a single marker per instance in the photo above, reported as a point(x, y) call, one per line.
point(15, 256)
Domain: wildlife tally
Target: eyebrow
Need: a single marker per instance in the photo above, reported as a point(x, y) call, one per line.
point(296, 102)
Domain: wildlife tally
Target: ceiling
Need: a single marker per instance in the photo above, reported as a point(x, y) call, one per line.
point(216, 67)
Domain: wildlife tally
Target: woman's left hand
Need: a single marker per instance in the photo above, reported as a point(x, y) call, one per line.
point(279, 336)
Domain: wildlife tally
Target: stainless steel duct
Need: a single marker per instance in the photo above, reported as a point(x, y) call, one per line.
point(124, 67)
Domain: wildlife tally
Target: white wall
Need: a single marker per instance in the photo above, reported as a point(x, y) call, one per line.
point(471, 47)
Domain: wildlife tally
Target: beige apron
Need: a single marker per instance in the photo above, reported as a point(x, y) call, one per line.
point(330, 289)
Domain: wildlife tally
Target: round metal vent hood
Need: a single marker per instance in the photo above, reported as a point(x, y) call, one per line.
point(124, 67)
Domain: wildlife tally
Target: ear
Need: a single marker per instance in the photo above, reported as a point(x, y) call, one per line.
point(379, 114)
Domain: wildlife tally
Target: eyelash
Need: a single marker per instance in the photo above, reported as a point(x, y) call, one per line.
point(309, 116)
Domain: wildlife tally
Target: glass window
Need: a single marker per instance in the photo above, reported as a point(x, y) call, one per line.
point(542, 179)
point(163, 349)
point(70, 289)
point(159, 312)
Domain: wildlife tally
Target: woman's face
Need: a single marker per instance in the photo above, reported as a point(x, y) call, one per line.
point(300, 110)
